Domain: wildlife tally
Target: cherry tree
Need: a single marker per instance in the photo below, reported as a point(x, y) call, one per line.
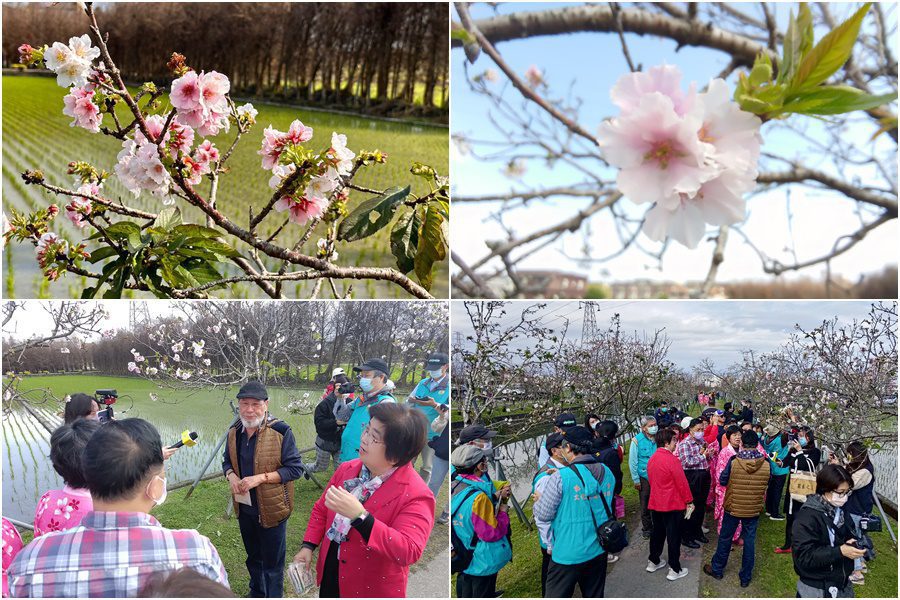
point(167, 152)
point(840, 378)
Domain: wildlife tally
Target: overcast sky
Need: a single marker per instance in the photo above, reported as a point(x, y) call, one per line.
point(697, 329)
point(33, 319)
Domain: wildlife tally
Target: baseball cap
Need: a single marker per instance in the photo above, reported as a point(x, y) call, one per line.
point(373, 364)
point(565, 420)
point(338, 371)
point(553, 441)
point(578, 435)
point(467, 456)
point(475, 432)
point(253, 389)
point(437, 360)
point(686, 422)
point(770, 429)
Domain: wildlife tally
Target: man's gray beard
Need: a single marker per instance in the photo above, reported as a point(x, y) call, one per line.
point(254, 424)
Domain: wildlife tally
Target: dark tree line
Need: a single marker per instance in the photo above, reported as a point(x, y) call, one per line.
point(377, 57)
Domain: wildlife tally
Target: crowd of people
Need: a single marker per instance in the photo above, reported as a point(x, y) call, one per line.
point(95, 537)
point(721, 469)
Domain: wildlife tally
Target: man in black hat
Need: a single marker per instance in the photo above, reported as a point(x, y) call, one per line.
point(373, 376)
point(563, 514)
point(560, 425)
point(260, 442)
point(430, 393)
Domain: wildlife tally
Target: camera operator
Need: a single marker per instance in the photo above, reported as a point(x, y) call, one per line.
point(80, 406)
point(824, 547)
point(328, 427)
point(431, 392)
point(862, 501)
point(261, 458)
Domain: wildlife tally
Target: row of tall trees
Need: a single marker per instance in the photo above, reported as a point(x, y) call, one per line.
point(376, 55)
point(225, 343)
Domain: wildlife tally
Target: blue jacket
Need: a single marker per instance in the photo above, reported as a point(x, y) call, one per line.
point(358, 420)
point(642, 448)
point(441, 395)
point(781, 452)
point(488, 557)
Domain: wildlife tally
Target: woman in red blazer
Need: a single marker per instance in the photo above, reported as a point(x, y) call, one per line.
point(376, 514)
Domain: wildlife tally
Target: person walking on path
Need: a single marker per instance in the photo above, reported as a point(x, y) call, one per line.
point(576, 499)
point(643, 446)
point(745, 479)
point(824, 546)
point(670, 497)
point(693, 451)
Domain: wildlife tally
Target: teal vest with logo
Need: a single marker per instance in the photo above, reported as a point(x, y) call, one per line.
point(440, 395)
point(489, 557)
point(574, 536)
point(358, 421)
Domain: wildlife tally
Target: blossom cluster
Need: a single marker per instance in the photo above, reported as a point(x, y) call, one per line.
point(140, 166)
point(79, 104)
point(72, 62)
point(201, 101)
point(692, 154)
point(304, 195)
point(79, 207)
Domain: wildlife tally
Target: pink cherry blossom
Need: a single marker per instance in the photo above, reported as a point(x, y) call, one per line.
point(534, 76)
point(302, 209)
point(658, 152)
point(733, 133)
point(180, 137)
point(185, 94)
point(664, 79)
point(79, 104)
point(206, 152)
point(279, 174)
point(274, 141)
point(79, 207)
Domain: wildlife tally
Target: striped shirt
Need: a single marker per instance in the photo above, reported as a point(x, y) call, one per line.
point(111, 554)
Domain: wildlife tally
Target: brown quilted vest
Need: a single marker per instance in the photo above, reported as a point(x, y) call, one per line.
point(746, 491)
point(276, 500)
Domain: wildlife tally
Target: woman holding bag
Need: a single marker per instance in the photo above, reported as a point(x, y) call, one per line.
point(803, 461)
point(376, 514)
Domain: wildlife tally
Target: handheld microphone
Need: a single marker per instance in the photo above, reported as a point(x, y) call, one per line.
point(188, 438)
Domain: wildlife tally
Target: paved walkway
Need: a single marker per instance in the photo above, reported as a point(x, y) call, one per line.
point(431, 580)
point(628, 578)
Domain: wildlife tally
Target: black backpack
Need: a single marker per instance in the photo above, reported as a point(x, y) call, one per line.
point(460, 556)
point(612, 534)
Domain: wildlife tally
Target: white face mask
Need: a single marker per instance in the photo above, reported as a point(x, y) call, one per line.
point(838, 501)
point(165, 491)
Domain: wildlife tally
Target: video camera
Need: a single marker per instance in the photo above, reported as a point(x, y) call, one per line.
point(346, 388)
point(107, 397)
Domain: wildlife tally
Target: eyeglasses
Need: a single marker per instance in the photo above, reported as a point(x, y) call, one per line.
point(842, 494)
point(368, 433)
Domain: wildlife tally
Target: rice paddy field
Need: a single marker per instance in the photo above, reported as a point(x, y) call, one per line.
point(28, 473)
point(36, 135)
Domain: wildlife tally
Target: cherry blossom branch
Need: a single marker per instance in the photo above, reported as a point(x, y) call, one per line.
point(517, 82)
point(117, 208)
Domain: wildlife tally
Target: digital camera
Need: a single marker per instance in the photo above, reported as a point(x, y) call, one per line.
point(107, 397)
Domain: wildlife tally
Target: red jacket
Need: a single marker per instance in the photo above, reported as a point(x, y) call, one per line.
point(668, 486)
point(403, 508)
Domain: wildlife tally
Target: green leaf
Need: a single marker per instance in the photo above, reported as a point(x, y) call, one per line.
point(405, 240)
point(805, 28)
point(101, 253)
point(432, 246)
point(830, 53)
point(458, 33)
point(123, 230)
point(790, 57)
point(371, 215)
point(424, 171)
point(203, 271)
point(192, 229)
point(834, 100)
point(168, 218)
